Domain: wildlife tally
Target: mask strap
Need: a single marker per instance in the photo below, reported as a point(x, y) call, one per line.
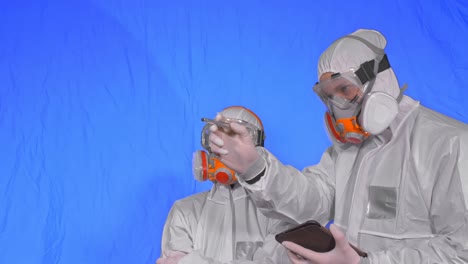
point(402, 90)
point(369, 86)
point(371, 46)
point(381, 60)
point(380, 56)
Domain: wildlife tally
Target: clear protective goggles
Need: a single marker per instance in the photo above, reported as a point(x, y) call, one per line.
point(258, 136)
point(341, 90)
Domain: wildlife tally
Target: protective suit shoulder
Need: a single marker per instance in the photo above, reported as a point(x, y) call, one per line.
point(440, 149)
point(431, 126)
point(326, 166)
point(181, 223)
point(192, 200)
point(441, 119)
point(190, 206)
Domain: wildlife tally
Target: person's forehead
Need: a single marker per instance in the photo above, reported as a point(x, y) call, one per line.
point(325, 76)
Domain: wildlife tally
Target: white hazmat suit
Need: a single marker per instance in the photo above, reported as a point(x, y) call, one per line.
point(401, 195)
point(223, 225)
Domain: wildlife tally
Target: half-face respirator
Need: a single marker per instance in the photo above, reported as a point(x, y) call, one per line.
point(208, 166)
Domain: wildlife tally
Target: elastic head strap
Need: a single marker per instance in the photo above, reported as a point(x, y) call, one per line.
point(366, 73)
point(371, 46)
point(370, 69)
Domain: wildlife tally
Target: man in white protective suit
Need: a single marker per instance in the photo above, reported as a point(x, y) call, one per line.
point(395, 180)
point(222, 225)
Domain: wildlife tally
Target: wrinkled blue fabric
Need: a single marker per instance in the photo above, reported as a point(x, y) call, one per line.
point(100, 104)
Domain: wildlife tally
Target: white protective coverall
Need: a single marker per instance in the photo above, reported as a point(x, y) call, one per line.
point(222, 226)
point(401, 196)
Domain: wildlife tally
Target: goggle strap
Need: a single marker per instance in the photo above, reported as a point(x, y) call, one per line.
point(260, 141)
point(384, 64)
point(381, 56)
point(366, 71)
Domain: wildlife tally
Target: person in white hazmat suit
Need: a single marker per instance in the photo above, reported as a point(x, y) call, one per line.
point(222, 225)
point(395, 180)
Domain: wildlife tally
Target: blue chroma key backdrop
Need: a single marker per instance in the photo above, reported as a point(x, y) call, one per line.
point(100, 103)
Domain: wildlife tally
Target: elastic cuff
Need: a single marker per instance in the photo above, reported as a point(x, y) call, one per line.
point(256, 168)
point(256, 178)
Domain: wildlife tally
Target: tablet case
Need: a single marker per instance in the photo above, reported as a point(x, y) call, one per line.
point(310, 235)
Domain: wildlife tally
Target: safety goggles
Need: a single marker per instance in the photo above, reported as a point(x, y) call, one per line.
point(347, 88)
point(341, 90)
point(258, 136)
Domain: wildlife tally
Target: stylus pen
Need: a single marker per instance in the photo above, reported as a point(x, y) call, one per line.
point(360, 252)
point(216, 122)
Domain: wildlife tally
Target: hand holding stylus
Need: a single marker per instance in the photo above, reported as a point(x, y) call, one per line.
point(233, 144)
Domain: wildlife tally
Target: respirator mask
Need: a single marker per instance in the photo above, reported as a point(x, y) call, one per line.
point(354, 111)
point(207, 165)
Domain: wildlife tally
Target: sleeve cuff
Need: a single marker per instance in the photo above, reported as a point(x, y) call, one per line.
point(257, 168)
point(256, 178)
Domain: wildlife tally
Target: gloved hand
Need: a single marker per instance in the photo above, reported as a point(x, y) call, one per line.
point(234, 146)
point(171, 257)
point(343, 253)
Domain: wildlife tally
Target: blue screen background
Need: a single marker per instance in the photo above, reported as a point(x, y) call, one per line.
point(100, 103)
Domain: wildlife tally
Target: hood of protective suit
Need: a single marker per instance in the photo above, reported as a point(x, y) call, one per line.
point(348, 53)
